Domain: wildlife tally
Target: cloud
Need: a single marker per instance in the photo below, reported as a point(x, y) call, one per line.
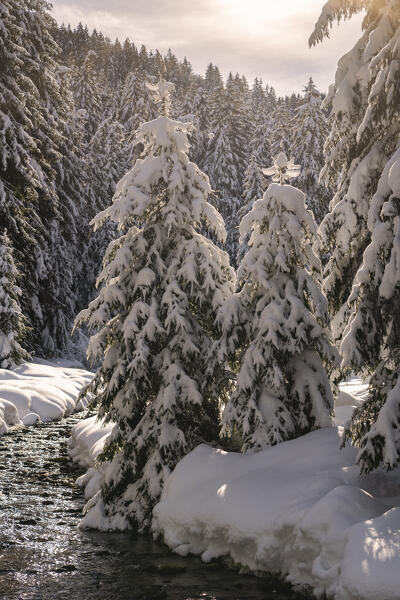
point(257, 37)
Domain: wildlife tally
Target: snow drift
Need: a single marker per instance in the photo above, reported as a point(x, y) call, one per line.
point(40, 391)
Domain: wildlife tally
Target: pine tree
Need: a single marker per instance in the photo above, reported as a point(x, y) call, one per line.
point(18, 177)
point(12, 323)
point(238, 120)
point(107, 161)
point(134, 107)
point(371, 340)
point(222, 163)
point(260, 117)
point(260, 155)
point(39, 198)
point(275, 327)
point(355, 154)
point(200, 110)
point(254, 185)
point(280, 129)
point(155, 316)
point(87, 93)
point(361, 231)
point(310, 130)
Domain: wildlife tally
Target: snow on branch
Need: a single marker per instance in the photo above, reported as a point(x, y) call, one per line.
point(162, 91)
point(332, 11)
point(282, 169)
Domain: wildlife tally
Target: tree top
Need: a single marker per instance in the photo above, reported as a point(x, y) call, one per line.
point(162, 91)
point(282, 169)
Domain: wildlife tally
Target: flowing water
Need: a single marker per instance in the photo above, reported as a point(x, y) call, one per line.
point(44, 556)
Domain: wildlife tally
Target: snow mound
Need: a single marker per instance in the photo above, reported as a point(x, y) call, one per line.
point(85, 444)
point(40, 391)
point(300, 508)
point(87, 440)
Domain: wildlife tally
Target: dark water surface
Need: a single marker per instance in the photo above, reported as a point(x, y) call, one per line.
point(44, 556)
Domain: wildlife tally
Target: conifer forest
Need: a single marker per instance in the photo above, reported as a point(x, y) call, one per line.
point(199, 351)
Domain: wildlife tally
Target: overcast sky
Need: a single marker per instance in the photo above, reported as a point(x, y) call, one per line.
point(258, 38)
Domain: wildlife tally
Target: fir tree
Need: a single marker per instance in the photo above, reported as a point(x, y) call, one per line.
point(222, 164)
point(275, 327)
point(155, 316)
point(254, 185)
point(371, 340)
point(87, 93)
point(107, 161)
point(310, 130)
point(360, 232)
point(134, 107)
point(39, 194)
point(12, 323)
point(260, 117)
point(280, 130)
point(355, 153)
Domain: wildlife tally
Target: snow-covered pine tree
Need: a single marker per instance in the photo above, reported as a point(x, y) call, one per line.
point(254, 186)
point(107, 161)
point(224, 178)
point(365, 214)
point(275, 327)
point(200, 109)
point(12, 323)
point(88, 93)
point(18, 178)
point(162, 284)
point(239, 122)
point(39, 195)
point(280, 129)
point(310, 130)
point(260, 112)
point(134, 107)
point(361, 232)
point(259, 148)
point(223, 163)
point(371, 340)
point(364, 134)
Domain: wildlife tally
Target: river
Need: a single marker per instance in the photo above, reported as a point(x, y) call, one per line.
point(44, 556)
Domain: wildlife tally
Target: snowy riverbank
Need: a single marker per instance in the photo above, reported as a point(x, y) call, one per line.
point(40, 391)
point(300, 508)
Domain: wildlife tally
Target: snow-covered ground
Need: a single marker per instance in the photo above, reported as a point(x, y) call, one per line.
point(300, 508)
point(40, 391)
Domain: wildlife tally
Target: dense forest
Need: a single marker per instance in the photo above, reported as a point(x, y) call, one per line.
point(70, 103)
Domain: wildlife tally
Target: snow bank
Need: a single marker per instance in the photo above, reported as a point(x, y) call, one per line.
point(85, 444)
point(87, 440)
point(40, 391)
point(300, 508)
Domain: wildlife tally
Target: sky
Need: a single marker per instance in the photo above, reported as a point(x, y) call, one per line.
point(257, 38)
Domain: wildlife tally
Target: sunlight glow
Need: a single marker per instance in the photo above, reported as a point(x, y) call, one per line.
point(259, 38)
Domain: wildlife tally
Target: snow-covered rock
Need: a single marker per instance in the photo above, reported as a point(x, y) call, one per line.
point(40, 391)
